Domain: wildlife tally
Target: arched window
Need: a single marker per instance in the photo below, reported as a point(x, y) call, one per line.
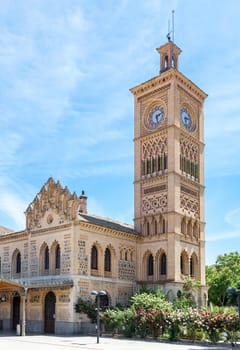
point(18, 263)
point(126, 256)
point(94, 258)
point(195, 230)
point(189, 228)
point(150, 265)
point(184, 263)
point(163, 264)
point(165, 161)
point(156, 227)
point(183, 226)
point(166, 62)
point(181, 265)
point(46, 258)
point(148, 229)
point(57, 257)
point(191, 267)
point(107, 260)
point(163, 226)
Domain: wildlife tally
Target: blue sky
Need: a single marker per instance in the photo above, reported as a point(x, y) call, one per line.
point(66, 110)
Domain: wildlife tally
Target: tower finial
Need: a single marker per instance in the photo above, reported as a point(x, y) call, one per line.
point(173, 26)
point(171, 31)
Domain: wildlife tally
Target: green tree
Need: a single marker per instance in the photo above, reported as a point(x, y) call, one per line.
point(87, 307)
point(185, 299)
point(225, 273)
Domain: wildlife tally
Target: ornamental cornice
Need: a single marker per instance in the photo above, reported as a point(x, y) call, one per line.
point(143, 88)
point(50, 229)
point(185, 179)
point(14, 236)
point(153, 180)
point(151, 136)
point(165, 77)
point(191, 138)
point(96, 228)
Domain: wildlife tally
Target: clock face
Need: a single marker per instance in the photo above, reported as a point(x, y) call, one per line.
point(155, 117)
point(186, 118)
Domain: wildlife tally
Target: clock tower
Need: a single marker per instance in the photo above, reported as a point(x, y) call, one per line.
point(169, 177)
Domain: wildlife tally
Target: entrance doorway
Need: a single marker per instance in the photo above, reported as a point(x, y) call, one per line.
point(49, 318)
point(16, 311)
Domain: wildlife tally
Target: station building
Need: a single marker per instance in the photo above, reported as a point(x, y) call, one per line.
point(64, 252)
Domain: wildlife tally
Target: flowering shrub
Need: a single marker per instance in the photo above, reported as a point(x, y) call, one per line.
point(213, 325)
point(149, 322)
point(111, 319)
point(231, 327)
point(142, 320)
point(174, 321)
point(192, 321)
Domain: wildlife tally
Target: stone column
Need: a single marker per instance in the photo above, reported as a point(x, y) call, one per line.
point(24, 295)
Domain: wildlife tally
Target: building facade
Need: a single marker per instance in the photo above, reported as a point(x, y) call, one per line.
point(65, 253)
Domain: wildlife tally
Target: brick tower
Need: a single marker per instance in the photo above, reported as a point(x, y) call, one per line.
point(169, 177)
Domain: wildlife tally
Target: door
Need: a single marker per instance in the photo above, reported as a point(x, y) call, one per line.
point(49, 320)
point(16, 311)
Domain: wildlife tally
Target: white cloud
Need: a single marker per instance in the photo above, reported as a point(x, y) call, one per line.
point(13, 206)
point(233, 218)
point(222, 236)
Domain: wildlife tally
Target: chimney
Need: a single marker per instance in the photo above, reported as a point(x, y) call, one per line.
point(83, 203)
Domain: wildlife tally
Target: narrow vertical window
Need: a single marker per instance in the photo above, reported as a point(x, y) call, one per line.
point(107, 260)
point(46, 258)
point(126, 256)
point(165, 161)
point(191, 267)
point(18, 263)
point(148, 229)
point(57, 257)
point(166, 62)
point(94, 258)
point(143, 167)
point(181, 264)
point(149, 166)
point(150, 265)
point(163, 264)
point(156, 227)
point(163, 226)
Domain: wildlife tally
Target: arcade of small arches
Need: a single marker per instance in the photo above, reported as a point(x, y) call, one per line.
point(190, 228)
point(103, 261)
point(153, 226)
point(49, 261)
point(156, 266)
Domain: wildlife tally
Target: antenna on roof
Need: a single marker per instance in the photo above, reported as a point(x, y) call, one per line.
point(171, 31)
point(173, 26)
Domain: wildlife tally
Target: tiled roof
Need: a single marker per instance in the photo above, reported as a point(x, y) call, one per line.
point(108, 223)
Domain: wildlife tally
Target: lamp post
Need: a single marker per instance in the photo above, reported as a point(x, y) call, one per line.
point(3, 299)
point(233, 291)
point(98, 295)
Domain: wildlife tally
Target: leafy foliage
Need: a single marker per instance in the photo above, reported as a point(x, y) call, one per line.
point(87, 307)
point(151, 300)
point(225, 273)
point(185, 299)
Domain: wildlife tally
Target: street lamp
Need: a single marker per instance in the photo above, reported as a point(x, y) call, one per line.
point(98, 295)
point(3, 299)
point(233, 291)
